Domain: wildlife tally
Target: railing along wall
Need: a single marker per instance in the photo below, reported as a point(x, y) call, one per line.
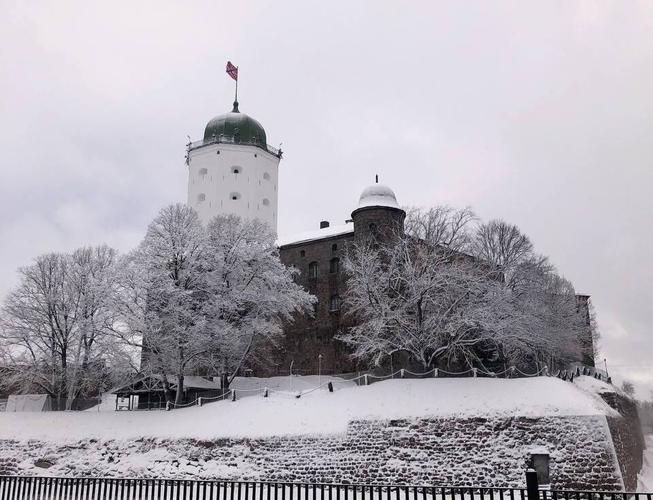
point(60, 488)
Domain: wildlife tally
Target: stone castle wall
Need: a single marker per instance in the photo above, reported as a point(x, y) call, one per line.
point(446, 451)
point(627, 437)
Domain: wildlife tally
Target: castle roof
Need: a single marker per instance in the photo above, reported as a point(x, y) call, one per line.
point(378, 195)
point(242, 128)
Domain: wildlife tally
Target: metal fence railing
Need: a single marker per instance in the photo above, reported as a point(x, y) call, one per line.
point(60, 488)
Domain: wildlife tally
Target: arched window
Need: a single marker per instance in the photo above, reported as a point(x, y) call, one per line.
point(236, 170)
point(266, 176)
point(266, 202)
point(334, 265)
point(334, 247)
point(302, 253)
point(201, 197)
point(334, 303)
point(312, 270)
point(234, 196)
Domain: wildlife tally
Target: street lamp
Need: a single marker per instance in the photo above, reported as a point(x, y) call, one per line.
point(319, 370)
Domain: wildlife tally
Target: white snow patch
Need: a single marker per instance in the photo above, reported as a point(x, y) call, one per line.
point(320, 412)
point(593, 385)
point(316, 234)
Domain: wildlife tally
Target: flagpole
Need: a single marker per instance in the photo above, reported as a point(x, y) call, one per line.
point(236, 83)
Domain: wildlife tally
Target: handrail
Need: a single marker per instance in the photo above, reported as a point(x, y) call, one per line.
point(232, 139)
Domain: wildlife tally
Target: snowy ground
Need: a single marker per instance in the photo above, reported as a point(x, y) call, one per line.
point(645, 479)
point(320, 412)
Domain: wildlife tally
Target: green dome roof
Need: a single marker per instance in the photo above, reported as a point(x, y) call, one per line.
point(242, 128)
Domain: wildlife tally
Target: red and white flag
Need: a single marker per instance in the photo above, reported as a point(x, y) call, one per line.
point(232, 71)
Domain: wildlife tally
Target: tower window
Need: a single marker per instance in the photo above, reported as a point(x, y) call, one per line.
point(203, 172)
point(266, 202)
point(302, 253)
point(334, 303)
point(312, 270)
point(334, 265)
point(201, 197)
point(334, 247)
point(266, 176)
point(234, 196)
point(236, 170)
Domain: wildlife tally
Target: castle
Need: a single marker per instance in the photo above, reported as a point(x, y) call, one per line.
point(233, 170)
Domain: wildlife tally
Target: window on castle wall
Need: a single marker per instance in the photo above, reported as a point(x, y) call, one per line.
point(236, 170)
point(234, 196)
point(312, 270)
point(334, 247)
point(201, 197)
point(334, 303)
point(334, 265)
point(302, 253)
point(266, 202)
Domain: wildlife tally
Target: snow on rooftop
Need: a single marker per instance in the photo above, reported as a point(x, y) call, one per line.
point(320, 412)
point(378, 195)
point(316, 234)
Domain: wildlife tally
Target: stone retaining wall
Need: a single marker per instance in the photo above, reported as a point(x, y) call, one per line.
point(463, 451)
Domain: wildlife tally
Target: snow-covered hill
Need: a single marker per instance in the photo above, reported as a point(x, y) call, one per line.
point(320, 412)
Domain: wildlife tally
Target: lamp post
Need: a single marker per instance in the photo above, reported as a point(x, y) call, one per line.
point(319, 370)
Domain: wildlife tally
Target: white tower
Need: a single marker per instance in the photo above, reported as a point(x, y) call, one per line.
point(233, 170)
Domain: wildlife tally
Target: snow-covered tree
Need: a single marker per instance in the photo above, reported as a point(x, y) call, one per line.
point(628, 387)
point(200, 299)
point(56, 324)
point(420, 295)
point(545, 302)
point(251, 293)
point(450, 291)
point(162, 291)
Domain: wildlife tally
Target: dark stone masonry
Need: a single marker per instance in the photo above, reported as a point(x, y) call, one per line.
point(463, 451)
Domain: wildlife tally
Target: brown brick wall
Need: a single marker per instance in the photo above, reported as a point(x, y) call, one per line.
point(307, 337)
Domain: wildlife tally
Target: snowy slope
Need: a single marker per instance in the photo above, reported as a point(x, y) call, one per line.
point(645, 478)
point(317, 413)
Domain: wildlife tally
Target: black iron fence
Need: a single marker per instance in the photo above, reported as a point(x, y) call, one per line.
point(59, 488)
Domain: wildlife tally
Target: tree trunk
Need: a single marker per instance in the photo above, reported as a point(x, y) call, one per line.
point(179, 397)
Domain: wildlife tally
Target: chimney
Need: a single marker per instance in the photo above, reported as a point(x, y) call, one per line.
point(324, 223)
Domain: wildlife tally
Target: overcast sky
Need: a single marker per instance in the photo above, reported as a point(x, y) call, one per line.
point(539, 113)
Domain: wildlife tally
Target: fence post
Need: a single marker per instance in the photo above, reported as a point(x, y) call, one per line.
point(265, 393)
point(402, 372)
point(330, 386)
point(233, 394)
point(199, 401)
point(546, 371)
point(474, 372)
point(167, 405)
point(365, 379)
point(435, 373)
point(532, 488)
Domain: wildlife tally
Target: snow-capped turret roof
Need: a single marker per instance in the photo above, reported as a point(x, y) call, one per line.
point(378, 195)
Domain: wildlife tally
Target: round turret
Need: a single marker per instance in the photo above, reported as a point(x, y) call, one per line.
point(378, 214)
